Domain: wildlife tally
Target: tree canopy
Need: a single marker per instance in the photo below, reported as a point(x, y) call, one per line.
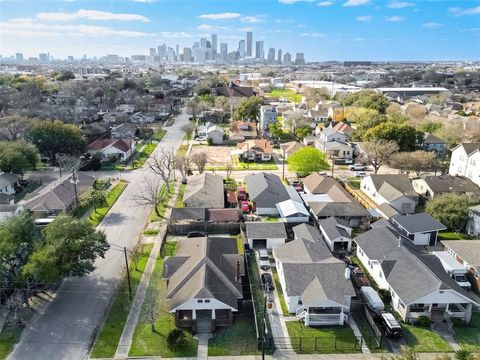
point(366, 98)
point(307, 160)
point(55, 137)
point(17, 157)
point(378, 152)
point(249, 109)
point(415, 161)
point(450, 209)
point(407, 137)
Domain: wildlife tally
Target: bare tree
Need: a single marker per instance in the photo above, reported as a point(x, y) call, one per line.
point(67, 162)
point(150, 194)
point(189, 129)
point(13, 128)
point(163, 164)
point(415, 161)
point(229, 169)
point(200, 160)
point(153, 304)
point(378, 153)
point(182, 164)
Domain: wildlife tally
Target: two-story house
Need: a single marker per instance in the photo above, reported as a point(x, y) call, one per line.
point(435, 144)
point(465, 161)
point(268, 115)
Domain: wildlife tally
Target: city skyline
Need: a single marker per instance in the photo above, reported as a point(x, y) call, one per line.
point(323, 30)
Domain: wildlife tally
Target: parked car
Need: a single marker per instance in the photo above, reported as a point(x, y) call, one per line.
point(372, 299)
point(193, 234)
point(267, 282)
point(359, 278)
point(298, 185)
point(323, 173)
point(358, 167)
point(263, 259)
point(390, 326)
point(241, 194)
point(361, 174)
point(245, 206)
point(201, 138)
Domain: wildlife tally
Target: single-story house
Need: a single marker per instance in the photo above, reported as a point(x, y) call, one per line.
point(293, 211)
point(124, 131)
point(290, 147)
point(431, 186)
point(337, 150)
point(9, 210)
point(143, 118)
point(265, 235)
point(325, 197)
point(387, 211)
point(473, 223)
point(113, 148)
point(395, 190)
point(314, 284)
point(204, 190)
point(266, 190)
point(58, 197)
point(417, 282)
point(211, 131)
point(434, 143)
point(254, 150)
point(204, 283)
point(243, 130)
point(420, 228)
point(8, 182)
point(467, 252)
point(337, 236)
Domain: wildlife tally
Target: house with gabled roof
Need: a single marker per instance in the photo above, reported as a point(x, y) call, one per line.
point(431, 186)
point(420, 228)
point(254, 150)
point(314, 282)
point(204, 283)
point(290, 147)
point(467, 253)
point(416, 280)
point(465, 161)
point(336, 235)
point(435, 144)
point(204, 190)
point(394, 189)
point(122, 149)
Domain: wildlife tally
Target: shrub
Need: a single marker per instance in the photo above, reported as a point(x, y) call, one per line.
point(463, 355)
point(210, 141)
point(176, 339)
point(385, 296)
point(423, 321)
point(458, 322)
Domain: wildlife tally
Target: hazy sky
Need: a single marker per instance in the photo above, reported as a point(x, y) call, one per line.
point(323, 30)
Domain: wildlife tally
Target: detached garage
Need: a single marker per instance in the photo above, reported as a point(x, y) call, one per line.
point(265, 235)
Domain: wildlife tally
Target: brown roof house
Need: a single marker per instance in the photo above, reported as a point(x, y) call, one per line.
point(121, 149)
point(290, 147)
point(243, 130)
point(204, 283)
point(254, 150)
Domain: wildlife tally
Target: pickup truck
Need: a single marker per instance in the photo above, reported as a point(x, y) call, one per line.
point(358, 167)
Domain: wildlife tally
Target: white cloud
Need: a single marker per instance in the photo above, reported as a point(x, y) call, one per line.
point(36, 29)
point(365, 18)
point(91, 15)
point(284, 21)
point(394, 18)
point(356, 3)
point(289, 2)
point(400, 5)
point(170, 34)
point(251, 19)
point(204, 27)
point(432, 25)
point(221, 16)
point(325, 3)
point(312, 34)
point(456, 11)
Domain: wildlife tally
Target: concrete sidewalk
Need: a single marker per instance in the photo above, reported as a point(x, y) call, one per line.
point(125, 342)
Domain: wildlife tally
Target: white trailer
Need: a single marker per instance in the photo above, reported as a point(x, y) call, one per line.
point(452, 267)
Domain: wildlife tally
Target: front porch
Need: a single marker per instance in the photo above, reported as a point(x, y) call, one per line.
point(454, 310)
point(317, 316)
point(198, 321)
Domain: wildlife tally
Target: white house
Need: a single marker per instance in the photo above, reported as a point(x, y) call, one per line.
point(9, 210)
point(473, 224)
point(265, 235)
point(8, 182)
point(465, 161)
point(337, 236)
point(293, 211)
point(211, 131)
point(331, 134)
point(395, 190)
point(336, 149)
point(120, 148)
point(268, 115)
point(314, 283)
point(142, 118)
point(204, 283)
point(417, 282)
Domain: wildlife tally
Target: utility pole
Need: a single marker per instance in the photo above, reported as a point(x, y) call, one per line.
point(283, 164)
point(74, 181)
point(128, 273)
point(333, 164)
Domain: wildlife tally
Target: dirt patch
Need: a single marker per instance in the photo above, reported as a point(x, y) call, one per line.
point(217, 155)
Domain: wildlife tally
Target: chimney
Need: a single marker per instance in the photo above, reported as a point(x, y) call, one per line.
point(238, 276)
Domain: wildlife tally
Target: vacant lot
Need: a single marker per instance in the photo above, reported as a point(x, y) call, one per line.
point(217, 155)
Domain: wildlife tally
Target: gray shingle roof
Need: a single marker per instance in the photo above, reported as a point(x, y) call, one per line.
point(470, 147)
point(264, 230)
point(418, 223)
point(7, 179)
point(266, 189)
point(333, 228)
point(393, 186)
point(449, 183)
point(432, 139)
point(204, 190)
point(468, 250)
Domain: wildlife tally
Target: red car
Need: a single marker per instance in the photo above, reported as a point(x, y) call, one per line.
point(245, 206)
point(241, 194)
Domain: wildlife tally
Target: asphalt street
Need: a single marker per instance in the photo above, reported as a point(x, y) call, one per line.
point(66, 328)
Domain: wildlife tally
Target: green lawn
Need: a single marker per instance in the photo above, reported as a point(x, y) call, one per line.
point(179, 199)
point(151, 232)
point(97, 215)
point(158, 135)
point(469, 336)
point(285, 93)
point(32, 186)
point(239, 164)
point(8, 338)
point(163, 206)
point(354, 182)
point(182, 150)
point(322, 340)
point(143, 155)
point(424, 340)
point(107, 341)
point(154, 343)
point(281, 298)
point(238, 339)
point(446, 235)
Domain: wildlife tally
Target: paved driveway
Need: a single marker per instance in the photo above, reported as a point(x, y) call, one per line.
point(66, 328)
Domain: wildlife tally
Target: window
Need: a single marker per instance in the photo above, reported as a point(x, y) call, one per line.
point(199, 301)
point(300, 302)
point(207, 301)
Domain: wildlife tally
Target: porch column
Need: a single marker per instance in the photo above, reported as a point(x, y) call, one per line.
point(307, 318)
point(194, 314)
point(213, 314)
point(468, 312)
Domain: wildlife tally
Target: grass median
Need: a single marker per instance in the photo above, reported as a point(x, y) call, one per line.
point(99, 213)
point(111, 331)
point(162, 207)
